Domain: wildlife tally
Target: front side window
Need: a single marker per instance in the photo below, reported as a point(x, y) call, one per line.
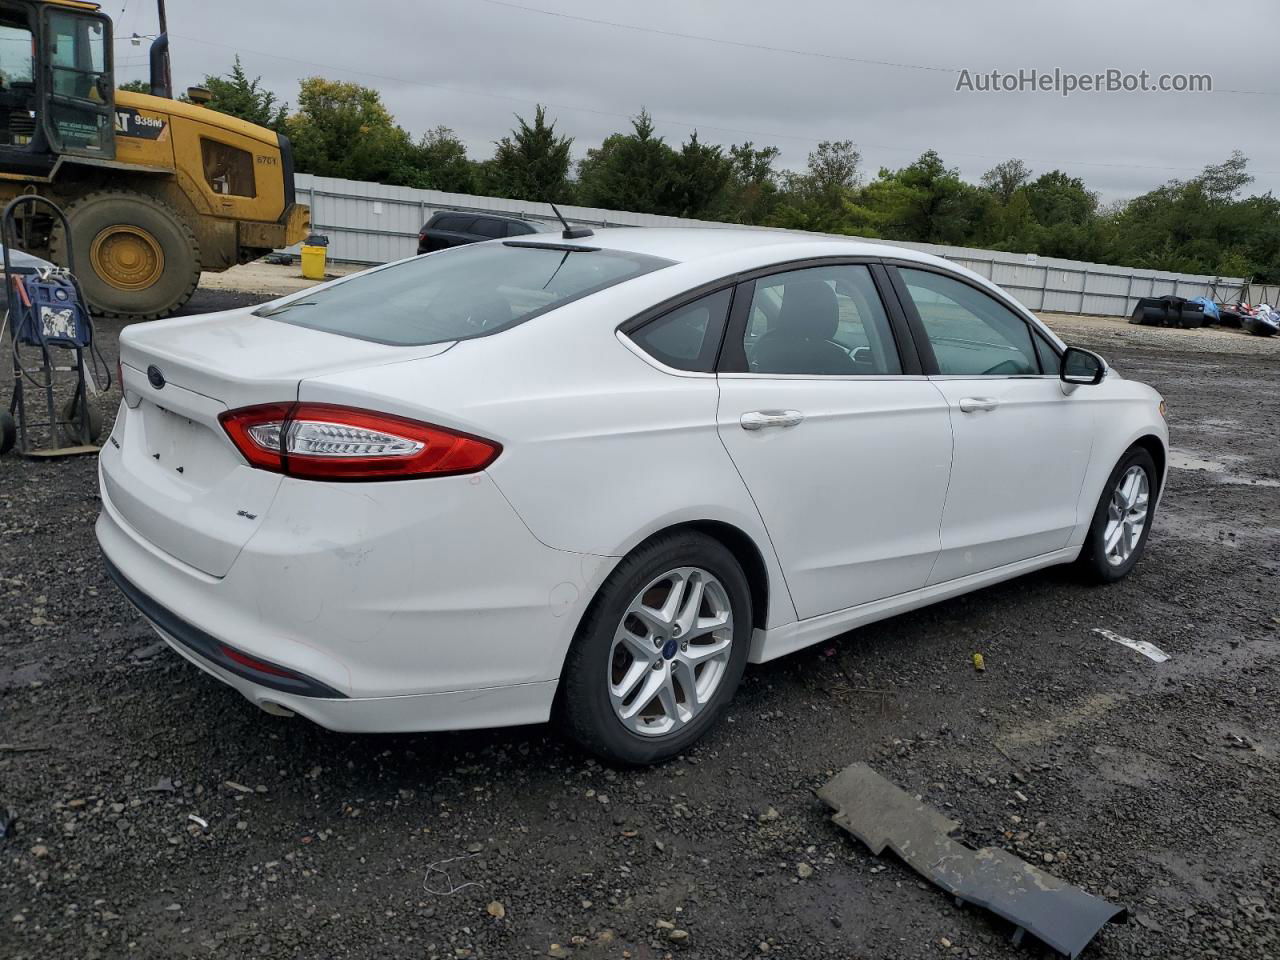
point(228, 170)
point(458, 294)
point(971, 333)
point(688, 337)
point(822, 321)
point(1049, 359)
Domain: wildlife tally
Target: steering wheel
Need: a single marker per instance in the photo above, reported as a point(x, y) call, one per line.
point(1004, 367)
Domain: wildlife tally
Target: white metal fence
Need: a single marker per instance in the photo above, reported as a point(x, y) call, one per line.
point(374, 223)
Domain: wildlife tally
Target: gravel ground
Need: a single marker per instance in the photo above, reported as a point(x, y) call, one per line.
point(1153, 784)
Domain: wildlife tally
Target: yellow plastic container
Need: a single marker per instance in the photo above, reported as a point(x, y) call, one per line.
point(313, 258)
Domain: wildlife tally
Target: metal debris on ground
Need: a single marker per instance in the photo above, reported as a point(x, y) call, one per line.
point(451, 887)
point(201, 822)
point(1142, 646)
point(881, 815)
point(979, 663)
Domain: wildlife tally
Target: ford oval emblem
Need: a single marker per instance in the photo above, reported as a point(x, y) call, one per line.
point(155, 377)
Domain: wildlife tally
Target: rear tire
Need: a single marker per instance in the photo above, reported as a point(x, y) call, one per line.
point(1114, 543)
point(136, 257)
point(682, 660)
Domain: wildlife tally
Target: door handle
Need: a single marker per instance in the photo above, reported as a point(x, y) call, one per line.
point(759, 419)
point(976, 404)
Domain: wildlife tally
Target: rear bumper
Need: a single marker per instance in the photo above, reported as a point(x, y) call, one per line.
point(507, 706)
point(407, 606)
point(194, 642)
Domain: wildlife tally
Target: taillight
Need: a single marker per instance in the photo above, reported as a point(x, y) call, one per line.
point(323, 441)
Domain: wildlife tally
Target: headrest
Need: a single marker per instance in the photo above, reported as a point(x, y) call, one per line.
point(809, 309)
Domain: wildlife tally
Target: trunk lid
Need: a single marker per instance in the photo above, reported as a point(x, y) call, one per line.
point(169, 470)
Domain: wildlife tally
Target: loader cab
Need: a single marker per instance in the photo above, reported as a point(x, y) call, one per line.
point(56, 91)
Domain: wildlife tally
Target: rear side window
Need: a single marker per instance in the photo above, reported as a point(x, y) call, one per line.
point(459, 294)
point(518, 229)
point(493, 229)
point(227, 169)
point(688, 337)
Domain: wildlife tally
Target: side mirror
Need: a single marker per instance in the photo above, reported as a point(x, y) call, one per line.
point(1082, 367)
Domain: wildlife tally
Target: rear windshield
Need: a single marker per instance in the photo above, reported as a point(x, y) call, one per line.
point(460, 294)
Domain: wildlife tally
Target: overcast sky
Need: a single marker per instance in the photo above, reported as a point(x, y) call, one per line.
point(471, 64)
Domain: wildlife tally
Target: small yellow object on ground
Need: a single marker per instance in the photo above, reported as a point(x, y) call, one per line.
point(978, 663)
point(313, 257)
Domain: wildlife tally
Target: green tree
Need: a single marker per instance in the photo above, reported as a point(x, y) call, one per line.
point(833, 169)
point(1200, 226)
point(700, 174)
point(926, 201)
point(136, 86)
point(751, 194)
point(1057, 198)
point(236, 94)
point(344, 130)
point(818, 198)
point(1005, 178)
point(443, 164)
point(629, 171)
point(532, 163)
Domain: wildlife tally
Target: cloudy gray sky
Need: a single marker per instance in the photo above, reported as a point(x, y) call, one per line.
point(471, 64)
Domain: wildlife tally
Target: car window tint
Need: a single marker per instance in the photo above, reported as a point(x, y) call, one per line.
point(972, 334)
point(468, 291)
point(518, 229)
point(1050, 362)
point(688, 337)
point(823, 321)
point(454, 223)
point(486, 227)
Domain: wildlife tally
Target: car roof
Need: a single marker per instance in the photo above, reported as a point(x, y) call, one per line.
point(691, 244)
point(475, 215)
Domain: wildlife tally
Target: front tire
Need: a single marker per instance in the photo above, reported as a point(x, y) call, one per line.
point(660, 652)
point(1122, 520)
point(136, 257)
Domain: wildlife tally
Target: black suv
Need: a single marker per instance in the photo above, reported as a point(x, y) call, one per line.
point(452, 229)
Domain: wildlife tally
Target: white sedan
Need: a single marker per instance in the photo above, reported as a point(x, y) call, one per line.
point(591, 477)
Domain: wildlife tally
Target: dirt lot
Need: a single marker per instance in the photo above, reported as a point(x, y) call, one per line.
point(1157, 785)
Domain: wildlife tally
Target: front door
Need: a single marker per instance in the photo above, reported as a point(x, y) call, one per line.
point(845, 454)
point(79, 100)
point(1022, 441)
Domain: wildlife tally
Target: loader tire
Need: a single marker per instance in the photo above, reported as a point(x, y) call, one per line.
point(135, 256)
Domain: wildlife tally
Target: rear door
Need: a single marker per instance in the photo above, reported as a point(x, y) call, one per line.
point(844, 446)
point(1022, 444)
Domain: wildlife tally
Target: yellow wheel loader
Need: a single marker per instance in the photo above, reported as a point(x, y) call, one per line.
point(155, 189)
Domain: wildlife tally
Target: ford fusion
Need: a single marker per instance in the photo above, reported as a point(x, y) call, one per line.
point(590, 478)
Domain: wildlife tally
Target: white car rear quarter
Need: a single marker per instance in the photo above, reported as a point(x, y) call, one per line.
point(450, 602)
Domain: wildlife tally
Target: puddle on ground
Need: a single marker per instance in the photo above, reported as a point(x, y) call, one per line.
point(1183, 460)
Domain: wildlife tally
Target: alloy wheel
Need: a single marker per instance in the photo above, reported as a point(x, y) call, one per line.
point(670, 651)
point(1126, 516)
